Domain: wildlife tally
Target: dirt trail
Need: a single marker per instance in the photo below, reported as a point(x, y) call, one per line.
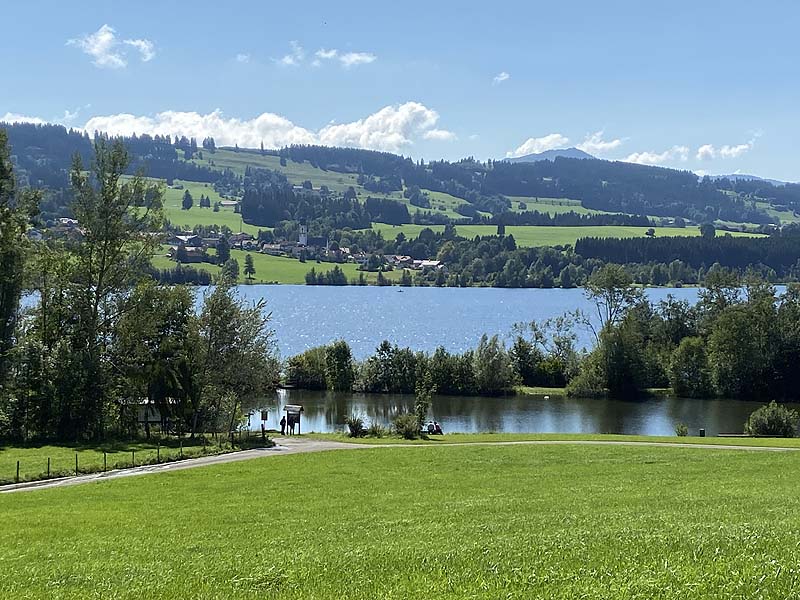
point(299, 445)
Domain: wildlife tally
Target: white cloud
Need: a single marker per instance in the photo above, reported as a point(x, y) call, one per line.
point(10, 117)
point(326, 54)
point(676, 153)
point(102, 46)
point(500, 78)
point(735, 151)
point(242, 58)
point(441, 135)
point(537, 145)
point(595, 144)
point(146, 48)
point(474, 136)
point(706, 152)
point(108, 52)
point(294, 58)
point(390, 129)
point(352, 59)
point(709, 151)
point(346, 59)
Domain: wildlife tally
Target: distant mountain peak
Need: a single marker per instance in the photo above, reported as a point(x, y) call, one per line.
point(551, 155)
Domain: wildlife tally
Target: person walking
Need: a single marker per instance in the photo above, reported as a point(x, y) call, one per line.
point(283, 425)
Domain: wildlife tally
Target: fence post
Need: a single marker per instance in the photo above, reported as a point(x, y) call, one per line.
point(76, 464)
point(181, 448)
point(17, 478)
point(48, 467)
point(158, 453)
point(105, 463)
point(133, 458)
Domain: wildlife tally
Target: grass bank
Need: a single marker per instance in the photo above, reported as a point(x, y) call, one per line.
point(45, 461)
point(451, 522)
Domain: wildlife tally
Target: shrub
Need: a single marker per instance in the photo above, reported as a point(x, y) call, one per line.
point(376, 430)
point(407, 426)
point(681, 430)
point(772, 420)
point(355, 426)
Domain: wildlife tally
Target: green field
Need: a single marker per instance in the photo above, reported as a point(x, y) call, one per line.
point(552, 206)
point(560, 522)
point(535, 235)
point(278, 269)
point(201, 216)
point(33, 459)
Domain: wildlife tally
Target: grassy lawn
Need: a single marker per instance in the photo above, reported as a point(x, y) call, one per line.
point(535, 235)
point(278, 269)
point(447, 522)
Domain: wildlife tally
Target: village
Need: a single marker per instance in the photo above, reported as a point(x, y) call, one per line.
point(188, 247)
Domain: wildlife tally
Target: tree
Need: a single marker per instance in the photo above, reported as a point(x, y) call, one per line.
point(155, 348)
point(249, 267)
point(188, 201)
point(114, 254)
point(708, 231)
point(611, 289)
point(239, 358)
point(688, 369)
point(339, 367)
point(223, 250)
point(230, 271)
point(494, 373)
point(16, 211)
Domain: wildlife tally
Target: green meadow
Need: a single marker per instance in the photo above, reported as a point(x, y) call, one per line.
point(536, 235)
point(33, 459)
point(187, 219)
point(278, 269)
point(562, 522)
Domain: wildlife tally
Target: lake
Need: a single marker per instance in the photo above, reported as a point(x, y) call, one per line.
point(420, 318)
point(326, 412)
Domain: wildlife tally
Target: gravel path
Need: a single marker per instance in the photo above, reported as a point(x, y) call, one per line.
point(299, 445)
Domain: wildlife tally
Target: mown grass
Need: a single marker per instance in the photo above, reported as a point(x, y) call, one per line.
point(279, 269)
point(489, 437)
point(536, 235)
point(448, 522)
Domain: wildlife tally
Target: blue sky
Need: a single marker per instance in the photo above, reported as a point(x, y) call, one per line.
point(708, 86)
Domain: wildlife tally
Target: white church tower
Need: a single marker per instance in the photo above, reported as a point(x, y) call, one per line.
point(303, 235)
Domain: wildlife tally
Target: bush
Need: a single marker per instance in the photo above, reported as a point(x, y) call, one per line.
point(772, 420)
point(376, 430)
point(355, 426)
point(407, 426)
point(681, 430)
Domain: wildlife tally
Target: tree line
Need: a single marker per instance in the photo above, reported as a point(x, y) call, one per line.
point(100, 339)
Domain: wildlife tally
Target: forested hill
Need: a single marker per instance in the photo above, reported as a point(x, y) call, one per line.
point(42, 154)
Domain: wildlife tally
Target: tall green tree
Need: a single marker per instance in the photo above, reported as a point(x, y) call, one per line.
point(118, 241)
point(17, 209)
point(249, 267)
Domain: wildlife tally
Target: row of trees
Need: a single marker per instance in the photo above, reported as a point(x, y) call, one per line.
point(100, 337)
point(741, 340)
